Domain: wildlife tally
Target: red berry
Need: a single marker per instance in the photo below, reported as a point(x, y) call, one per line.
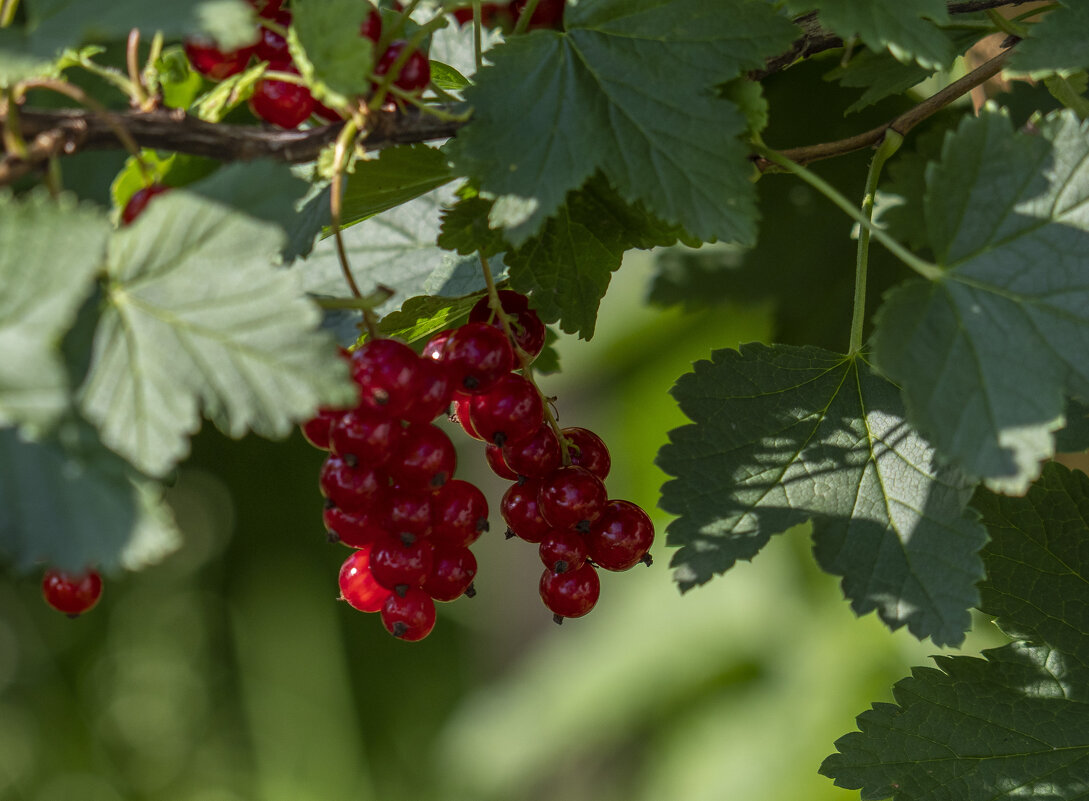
point(410, 618)
point(491, 14)
point(372, 26)
point(397, 562)
point(459, 514)
point(386, 371)
point(209, 60)
point(570, 594)
point(139, 200)
point(435, 346)
point(537, 456)
point(587, 449)
point(317, 431)
point(477, 356)
point(563, 550)
point(354, 529)
point(460, 414)
point(71, 593)
point(511, 301)
point(267, 8)
point(548, 14)
point(431, 393)
point(572, 497)
point(493, 454)
point(367, 435)
point(528, 330)
point(407, 512)
point(357, 584)
point(271, 46)
point(424, 457)
point(350, 488)
point(621, 537)
point(521, 513)
point(509, 412)
point(324, 112)
point(415, 73)
point(281, 103)
point(452, 571)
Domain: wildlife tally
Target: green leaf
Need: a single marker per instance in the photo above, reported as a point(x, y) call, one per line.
point(1074, 436)
point(985, 352)
point(1070, 91)
point(465, 229)
point(328, 49)
point(447, 78)
point(70, 503)
point(173, 169)
point(49, 254)
point(228, 94)
point(18, 62)
point(880, 74)
point(782, 435)
point(904, 27)
point(1058, 43)
point(1014, 724)
point(179, 83)
point(420, 317)
point(595, 97)
point(197, 317)
point(398, 175)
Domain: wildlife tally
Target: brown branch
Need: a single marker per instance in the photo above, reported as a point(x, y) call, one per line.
point(902, 124)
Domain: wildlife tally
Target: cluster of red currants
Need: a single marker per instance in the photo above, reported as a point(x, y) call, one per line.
point(286, 104)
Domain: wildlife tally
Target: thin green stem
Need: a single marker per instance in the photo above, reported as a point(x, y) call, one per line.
point(478, 34)
point(395, 29)
point(375, 299)
point(7, 12)
point(921, 266)
point(1033, 12)
point(384, 82)
point(889, 145)
point(525, 16)
point(1005, 25)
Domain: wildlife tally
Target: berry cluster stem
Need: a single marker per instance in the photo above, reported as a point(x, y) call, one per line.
point(525, 16)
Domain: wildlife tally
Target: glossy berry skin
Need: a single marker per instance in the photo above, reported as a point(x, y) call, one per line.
point(372, 26)
point(430, 393)
point(317, 430)
point(209, 60)
point(410, 618)
point(415, 73)
point(424, 458)
point(510, 412)
point(493, 454)
point(395, 564)
point(563, 550)
point(435, 346)
point(587, 449)
point(452, 571)
point(572, 497)
point(528, 330)
point(386, 370)
point(460, 413)
point(536, 456)
point(354, 529)
point(322, 111)
point(139, 200)
point(477, 355)
point(280, 103)
point(407, 512)
point(621, 537)
point(459, 514)
point(271, 46)
point(570, 594)
point(357, 584)
point(521, 513)
point(71, 593)
point(350, 488)
point(367, 435)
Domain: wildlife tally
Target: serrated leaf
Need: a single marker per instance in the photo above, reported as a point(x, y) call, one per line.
point(327, 47)
point(782, 435)
point(749, 97)
point(198, 318)
point(904, 27)
point(179, 83)
point(1070, 91)
point(398, 175)
point(880, 74)
point(1058, 43)
point(49, 254)
point(70, 503)
point(1014, 724)
point(465, 229)
point(985, 352)
point(595, 98)
point(420, 317)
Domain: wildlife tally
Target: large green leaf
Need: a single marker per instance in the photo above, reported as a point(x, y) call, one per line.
point(71, 503)
point(985, 351)
point(781, 435)
point(1059, 43)
point(332, 51)
point(49, 254)
point(598, 97)
point(1015, 724)
point(398, 175)
point(198, 317)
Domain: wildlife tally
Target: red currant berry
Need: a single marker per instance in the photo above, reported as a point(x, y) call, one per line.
point(572, 497)
point(209, 60)
point(511, 301)
point(318, 430)
point(431, 394)
point(407, 512)
point(357, 584)
point(415, 73)
point(386, 370)
point(372, 26)
point(281, 103)
point(548, 14)
point(459, 514)
point(71, 593)
point(460, 414)
point(350, 488)
point(452, 571)
point(477, 356)
point(621, 537)
point(354, 529)
point(587, 449)
point(368, 436)
point(267, 8)
point(563, 550)
point(322, 111)
point(508, 413)
point(570, 594)
point(537, 456)
point(410, 618)
point(435, 346)
point(492, 15)
point(400, 563)
point(521, 513)
point(493, 454)
point(271, 46)
point(424, 457)
point(139, 200)
point(528, 330)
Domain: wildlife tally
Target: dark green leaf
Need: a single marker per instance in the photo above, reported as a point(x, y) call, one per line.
point(327, 47)
point(1074, 436)
point(398, 175)
point(782, 435)
point(880, 74)
point(465, 229)
point(1058, 43)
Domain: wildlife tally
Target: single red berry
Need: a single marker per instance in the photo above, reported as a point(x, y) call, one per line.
point(209, 60)
point(317, 431)
point(410, 618)
point(350, 487)
point(563, 550)
point(386, 370)
point(511, 301)
point(354, 529)
point(322, 111)
point(526, 326)
point(538, 455)
point(572, 497)
point(493, 454)
point(372, 26)
point(357, 584)
point(415, 73)
point(71, 593)
point(397, 562)
point(271, 46)
point(521, 513)
point(139, 200)
point(431, 393)
point(267, 8)
point(424, 457)
point(548, 14)
point(509, 412)
point(621, 537)
point(587, 449)
point(367, 435)
point(435, 346)
point(477, 356)
point(407, 512)
point(452, 571)
point(460, 414)
point(459, 514)
point(570, 594)
point(281, 103)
